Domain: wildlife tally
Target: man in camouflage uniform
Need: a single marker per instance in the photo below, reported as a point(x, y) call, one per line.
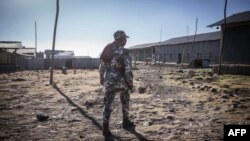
point(116, 77)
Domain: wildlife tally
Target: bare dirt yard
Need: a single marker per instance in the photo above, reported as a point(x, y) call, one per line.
point(169, 103)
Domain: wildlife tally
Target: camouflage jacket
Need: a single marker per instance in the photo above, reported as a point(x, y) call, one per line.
point(118, 73)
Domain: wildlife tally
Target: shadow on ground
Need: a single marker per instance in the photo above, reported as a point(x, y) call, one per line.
point(94, 121)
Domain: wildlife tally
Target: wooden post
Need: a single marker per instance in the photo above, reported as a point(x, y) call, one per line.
point(223, 36)
point(14, 57)
point(134, 55)
point(182, 57)
point(35, 40)
point(144, 57)
point(160, 34)
point(193, 40)
point(54, 40)
point(183, 50)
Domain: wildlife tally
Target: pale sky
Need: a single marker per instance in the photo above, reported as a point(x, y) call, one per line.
point(86, 26)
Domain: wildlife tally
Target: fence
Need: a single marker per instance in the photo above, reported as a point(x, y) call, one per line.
point(87, 63)
point(75, 63)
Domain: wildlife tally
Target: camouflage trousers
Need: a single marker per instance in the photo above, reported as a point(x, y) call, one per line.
point(109, 96)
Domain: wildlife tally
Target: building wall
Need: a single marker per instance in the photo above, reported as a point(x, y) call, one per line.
point(237, 45)
point(40, 55)
point(22, 62)
point(85, 63)
point(141, 54)
point(188, 51)
point(175, 53)
point(7, 58)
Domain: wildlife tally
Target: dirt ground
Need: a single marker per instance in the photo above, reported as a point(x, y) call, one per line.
point(177, 104)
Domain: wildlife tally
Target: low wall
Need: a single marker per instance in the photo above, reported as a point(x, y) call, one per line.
point(233, 69)
point(76, 63)
point(85, 63)
point(35, 64)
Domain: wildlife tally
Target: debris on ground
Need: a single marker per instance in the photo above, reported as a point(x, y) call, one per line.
point(169, 104)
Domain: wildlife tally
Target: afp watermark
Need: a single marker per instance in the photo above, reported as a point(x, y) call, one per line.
point(236, 132)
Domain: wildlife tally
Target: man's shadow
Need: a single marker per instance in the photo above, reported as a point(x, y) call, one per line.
point(138, 135)
point(94, 121)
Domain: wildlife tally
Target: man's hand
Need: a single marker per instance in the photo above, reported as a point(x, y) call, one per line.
point(101, 81)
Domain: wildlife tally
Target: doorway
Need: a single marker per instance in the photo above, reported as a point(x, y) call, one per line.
point(179, 58)
point(68, 63)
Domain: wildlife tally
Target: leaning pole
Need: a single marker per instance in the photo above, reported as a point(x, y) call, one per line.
point(223, 37)
point(54, 41)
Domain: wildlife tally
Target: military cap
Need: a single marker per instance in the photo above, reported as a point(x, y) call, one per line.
point(120, 34)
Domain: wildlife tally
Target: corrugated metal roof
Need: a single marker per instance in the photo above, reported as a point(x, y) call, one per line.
point(142, 46)
point(10, 45)
point(236, 18)
point(48, 51)
point(26, 50)
point(180, 40)
point(187, 39)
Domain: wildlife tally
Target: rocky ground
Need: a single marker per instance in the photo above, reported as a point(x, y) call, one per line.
point(169, 103)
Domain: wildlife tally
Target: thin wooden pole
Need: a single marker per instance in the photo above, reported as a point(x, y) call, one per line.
point(54, 41)
point(35, 40)
point(196, 24)
point(223, 37)
point(183, 50)
point(160, 34)
point(144, 55)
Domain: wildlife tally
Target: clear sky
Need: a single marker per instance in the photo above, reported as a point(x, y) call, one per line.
point(86, 26)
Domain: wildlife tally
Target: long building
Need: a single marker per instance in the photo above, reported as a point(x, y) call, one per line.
point(180, 49)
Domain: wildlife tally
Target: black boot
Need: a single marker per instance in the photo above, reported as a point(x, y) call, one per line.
point(105, 130)
point(127, 124)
